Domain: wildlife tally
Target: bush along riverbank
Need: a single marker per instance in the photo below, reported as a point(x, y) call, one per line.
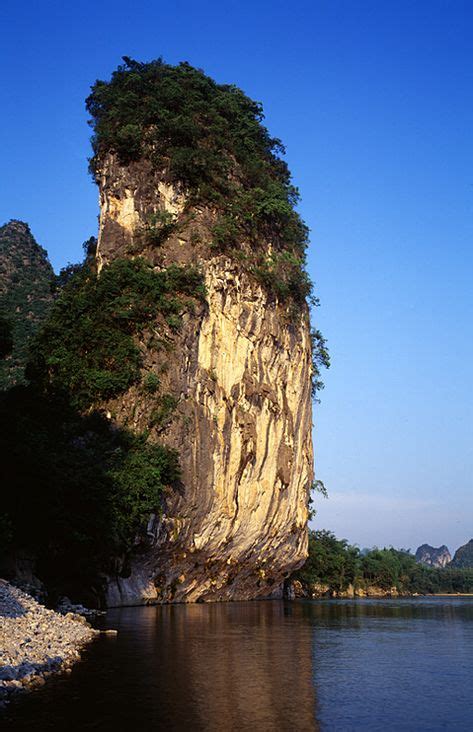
point(317, 590)
point(35, 642)
point(334, 568)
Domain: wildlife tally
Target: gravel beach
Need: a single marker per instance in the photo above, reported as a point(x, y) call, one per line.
point(35, 642)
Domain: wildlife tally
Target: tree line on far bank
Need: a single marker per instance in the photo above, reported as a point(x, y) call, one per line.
point(335, 565)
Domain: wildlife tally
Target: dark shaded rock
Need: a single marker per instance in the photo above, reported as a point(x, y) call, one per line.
point(26, 278)
point(463, 558)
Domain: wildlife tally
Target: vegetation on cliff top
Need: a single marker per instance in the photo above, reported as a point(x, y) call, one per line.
point(209, 140)
point(204, 136)
point(335, 564)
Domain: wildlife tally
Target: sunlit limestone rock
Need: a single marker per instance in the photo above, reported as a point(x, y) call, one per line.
point(432, 556)
point(240, 372)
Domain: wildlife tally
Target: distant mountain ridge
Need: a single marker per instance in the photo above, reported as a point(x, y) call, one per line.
point(463, 558)
point(433, 556)
point(26, 277)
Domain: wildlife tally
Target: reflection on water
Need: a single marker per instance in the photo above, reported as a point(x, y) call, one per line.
point(371, 665)
point(239, 666)
point(236, 663)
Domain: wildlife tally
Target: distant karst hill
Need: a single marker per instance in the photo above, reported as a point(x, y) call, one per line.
point(463, 558)
point(433, 556)
point(25, 294)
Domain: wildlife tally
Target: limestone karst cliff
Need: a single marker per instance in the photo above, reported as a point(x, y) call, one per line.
point(239, 376)
point(172, 381)
point(433, 556)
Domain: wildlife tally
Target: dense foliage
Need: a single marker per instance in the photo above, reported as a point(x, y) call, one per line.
point(78, 492)
point(334, 563)
point(25, 296)
point(87, 348)
point(208, 139)
point(320, 359)
point(206, 136)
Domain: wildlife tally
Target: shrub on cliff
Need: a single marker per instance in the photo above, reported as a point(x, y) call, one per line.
point(87, 348)
point(283, 274)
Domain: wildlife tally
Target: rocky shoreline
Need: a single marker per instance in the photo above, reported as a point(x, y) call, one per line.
point(35, 642)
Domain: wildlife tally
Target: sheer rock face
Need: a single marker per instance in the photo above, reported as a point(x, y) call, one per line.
point(240, 370)
point(433, 556)
point(463, 558)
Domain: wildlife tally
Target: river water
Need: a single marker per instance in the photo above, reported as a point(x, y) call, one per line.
point(326, 665)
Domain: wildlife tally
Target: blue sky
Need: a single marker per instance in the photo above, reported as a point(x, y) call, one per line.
point(374, 103)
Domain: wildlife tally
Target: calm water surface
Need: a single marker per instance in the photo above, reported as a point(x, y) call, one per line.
point(341, 665)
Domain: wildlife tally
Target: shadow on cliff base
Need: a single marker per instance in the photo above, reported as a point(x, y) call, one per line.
point(66, 506)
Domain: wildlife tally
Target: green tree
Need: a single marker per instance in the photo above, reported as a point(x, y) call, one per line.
point(331, 561)
point(87, 348)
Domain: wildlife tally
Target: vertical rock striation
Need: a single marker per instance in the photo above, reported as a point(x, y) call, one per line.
point(240, 372)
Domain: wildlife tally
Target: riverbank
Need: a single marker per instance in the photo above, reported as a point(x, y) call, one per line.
point(35, 642)
point(297, 590)
point(318, 590)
